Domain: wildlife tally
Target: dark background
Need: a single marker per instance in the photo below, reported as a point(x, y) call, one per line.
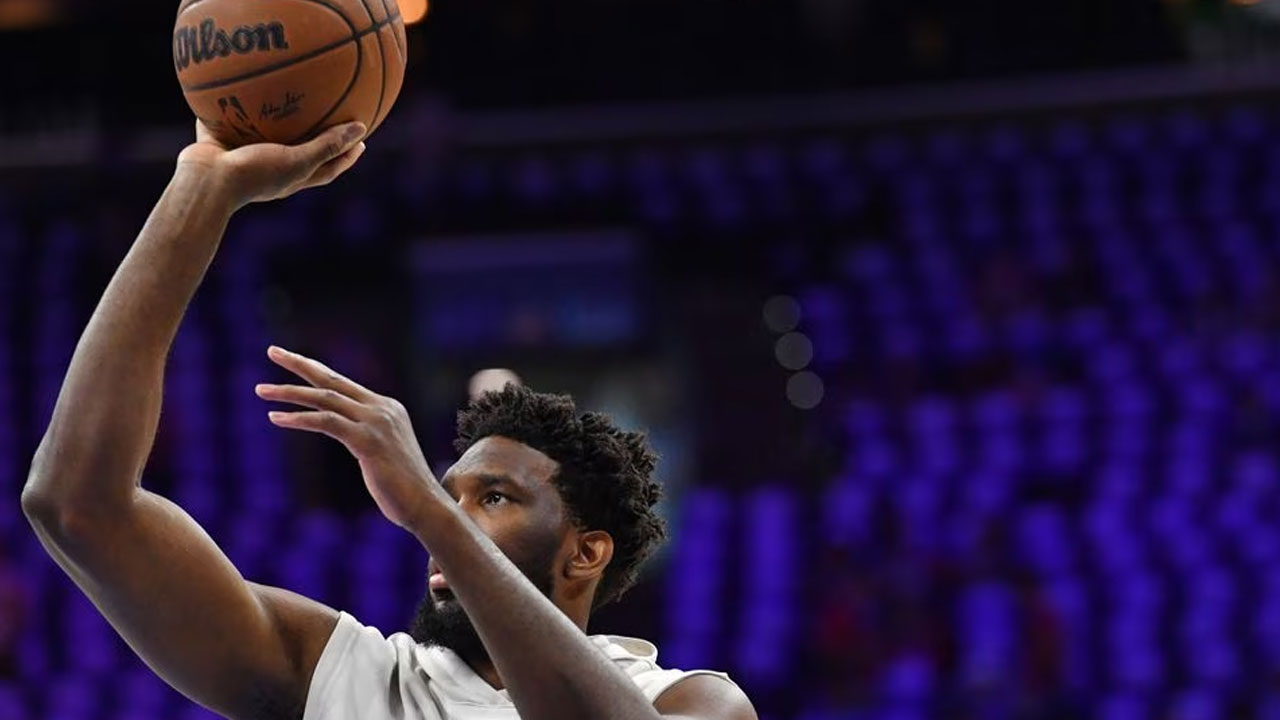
point(521, 53)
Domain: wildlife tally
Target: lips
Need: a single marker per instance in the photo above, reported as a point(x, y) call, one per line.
point(437, 582)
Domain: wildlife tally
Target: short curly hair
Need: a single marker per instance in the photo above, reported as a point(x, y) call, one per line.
point(605, 476)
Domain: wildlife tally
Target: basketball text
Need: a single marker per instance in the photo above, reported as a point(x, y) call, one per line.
point(193, 44)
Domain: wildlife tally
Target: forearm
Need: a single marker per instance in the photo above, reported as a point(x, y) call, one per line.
point(548, 665)
point(105, 419)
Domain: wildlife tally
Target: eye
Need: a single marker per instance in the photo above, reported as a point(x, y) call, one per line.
point(489, 499)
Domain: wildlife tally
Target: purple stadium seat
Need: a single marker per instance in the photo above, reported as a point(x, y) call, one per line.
point(1195, 704)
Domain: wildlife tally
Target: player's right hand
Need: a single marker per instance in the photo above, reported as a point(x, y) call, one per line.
point(267, 171)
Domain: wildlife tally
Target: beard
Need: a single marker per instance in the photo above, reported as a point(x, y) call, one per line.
point(443, 622)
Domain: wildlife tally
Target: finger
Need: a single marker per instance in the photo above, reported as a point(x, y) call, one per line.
point(318, 374)
point(331, 170)
point(312, 397)
point(202, 131)
point(323, 422)
point(330, 144)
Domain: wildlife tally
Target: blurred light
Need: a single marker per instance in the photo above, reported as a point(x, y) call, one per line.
point(413, 10)
point(805, 390)
point(782, 313)
point(18, 14)
point(492, 379)
point(794, 351)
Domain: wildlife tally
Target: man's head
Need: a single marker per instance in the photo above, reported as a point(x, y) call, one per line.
point(568, 497)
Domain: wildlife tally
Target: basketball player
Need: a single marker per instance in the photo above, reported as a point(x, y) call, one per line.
point(544, 517)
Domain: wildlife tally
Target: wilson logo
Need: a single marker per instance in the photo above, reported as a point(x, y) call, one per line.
point(206, 42)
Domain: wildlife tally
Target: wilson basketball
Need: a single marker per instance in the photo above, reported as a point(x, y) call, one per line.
point(284, 70)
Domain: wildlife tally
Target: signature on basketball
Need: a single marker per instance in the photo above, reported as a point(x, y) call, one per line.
point(291, 105)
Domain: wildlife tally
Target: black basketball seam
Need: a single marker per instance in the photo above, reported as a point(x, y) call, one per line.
point(355, 75)
point(400, 45)
point(355, 37)
point(342, 11)
point(314, 129)
point(404, 55)
point(382, 57)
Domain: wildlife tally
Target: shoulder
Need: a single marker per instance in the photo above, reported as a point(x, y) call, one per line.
point(705, 696)
point(693, 694)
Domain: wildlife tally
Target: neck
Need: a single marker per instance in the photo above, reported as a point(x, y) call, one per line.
point(481, 664)
point(484, 667)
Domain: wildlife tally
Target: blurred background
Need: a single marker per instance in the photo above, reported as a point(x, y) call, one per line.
point(957, 326)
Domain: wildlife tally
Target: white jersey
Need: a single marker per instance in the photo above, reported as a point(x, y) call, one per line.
point(362, 675)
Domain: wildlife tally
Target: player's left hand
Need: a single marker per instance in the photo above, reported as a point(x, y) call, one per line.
point(374, 428)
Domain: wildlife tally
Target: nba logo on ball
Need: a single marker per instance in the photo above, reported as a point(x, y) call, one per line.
point(284, 70)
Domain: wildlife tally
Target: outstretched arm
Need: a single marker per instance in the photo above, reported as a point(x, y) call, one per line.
point(238, 648)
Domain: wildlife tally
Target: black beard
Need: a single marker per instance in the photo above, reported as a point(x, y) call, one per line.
point(447, 625)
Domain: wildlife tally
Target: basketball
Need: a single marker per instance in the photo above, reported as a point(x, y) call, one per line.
point(284, 70)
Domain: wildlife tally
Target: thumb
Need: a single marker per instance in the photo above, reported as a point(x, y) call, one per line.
point(331, 143)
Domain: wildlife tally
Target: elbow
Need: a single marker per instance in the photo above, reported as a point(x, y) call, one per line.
point(59, 514)
point(47, 506)
point(39, 506)
point(51, 517)
point(56, 489)
point(39, 502)
point(47, 514)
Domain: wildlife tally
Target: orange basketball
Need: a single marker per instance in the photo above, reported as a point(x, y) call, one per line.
point(284, 70)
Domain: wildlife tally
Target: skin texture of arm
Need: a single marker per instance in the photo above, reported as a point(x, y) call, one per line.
point(241, 649)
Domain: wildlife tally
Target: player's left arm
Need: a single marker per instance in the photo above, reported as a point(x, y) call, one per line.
point(551, 669)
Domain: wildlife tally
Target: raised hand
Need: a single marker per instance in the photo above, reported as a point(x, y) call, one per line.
point(267, 171)
point(374, 428)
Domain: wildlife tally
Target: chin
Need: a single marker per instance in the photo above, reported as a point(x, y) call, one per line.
point(440, 620)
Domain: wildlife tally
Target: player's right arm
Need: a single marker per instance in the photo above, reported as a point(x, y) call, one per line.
point(243, 650)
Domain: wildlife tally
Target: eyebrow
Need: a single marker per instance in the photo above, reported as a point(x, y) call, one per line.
point(486, 480)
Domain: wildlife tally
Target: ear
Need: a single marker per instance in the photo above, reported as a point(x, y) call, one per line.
point(591, 555)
